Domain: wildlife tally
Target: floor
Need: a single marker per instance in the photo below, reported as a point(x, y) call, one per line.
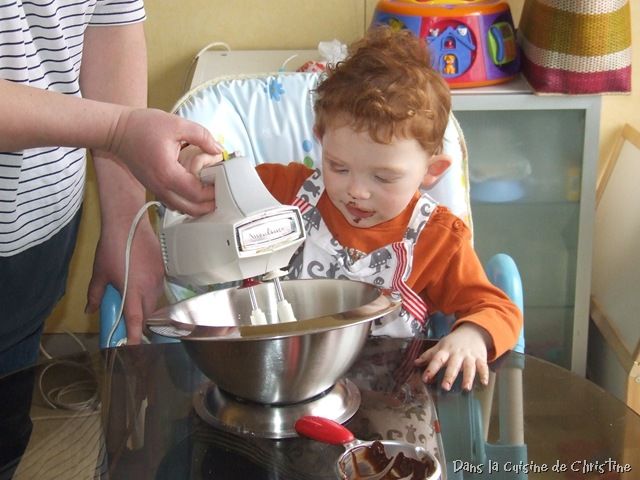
point(66, 405)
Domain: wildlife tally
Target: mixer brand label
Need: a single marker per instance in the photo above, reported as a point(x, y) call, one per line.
point(277, 228)
point(269, 233)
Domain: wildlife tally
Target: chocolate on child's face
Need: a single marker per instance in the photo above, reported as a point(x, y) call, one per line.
point(370, 182)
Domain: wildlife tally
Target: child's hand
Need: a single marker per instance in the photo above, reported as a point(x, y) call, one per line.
point(466, 347)
point(193, 159)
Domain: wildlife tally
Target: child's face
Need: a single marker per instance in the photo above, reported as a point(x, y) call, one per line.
point(371, 182)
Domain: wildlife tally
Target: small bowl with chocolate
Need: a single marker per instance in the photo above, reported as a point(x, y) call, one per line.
point(376, 460)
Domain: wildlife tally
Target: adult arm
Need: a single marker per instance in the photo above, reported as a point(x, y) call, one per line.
point(147, 141)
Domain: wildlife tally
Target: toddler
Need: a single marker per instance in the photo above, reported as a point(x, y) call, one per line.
point(380, 116)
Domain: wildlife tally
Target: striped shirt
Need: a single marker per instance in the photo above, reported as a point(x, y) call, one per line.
point(41, 41)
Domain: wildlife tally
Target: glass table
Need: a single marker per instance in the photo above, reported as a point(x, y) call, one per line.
point(132, 413)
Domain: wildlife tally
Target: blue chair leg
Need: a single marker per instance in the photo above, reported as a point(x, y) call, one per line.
point(503, 273)
point(109, 308)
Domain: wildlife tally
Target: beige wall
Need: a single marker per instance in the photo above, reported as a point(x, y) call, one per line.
point(178, 29)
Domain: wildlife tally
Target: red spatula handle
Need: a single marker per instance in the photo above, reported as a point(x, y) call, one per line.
point(323, 430)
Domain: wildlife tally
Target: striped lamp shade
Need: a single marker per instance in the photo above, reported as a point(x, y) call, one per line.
point(576, 46)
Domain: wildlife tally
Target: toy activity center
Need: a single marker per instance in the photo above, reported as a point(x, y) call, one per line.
point(472, 42)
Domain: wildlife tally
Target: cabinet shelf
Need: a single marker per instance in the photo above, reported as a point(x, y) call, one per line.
point(545, 149)
point(528, 203)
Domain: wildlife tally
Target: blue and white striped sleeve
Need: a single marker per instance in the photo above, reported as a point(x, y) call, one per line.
point(118, 12)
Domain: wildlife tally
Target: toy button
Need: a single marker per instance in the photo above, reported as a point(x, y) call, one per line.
point(457, 224)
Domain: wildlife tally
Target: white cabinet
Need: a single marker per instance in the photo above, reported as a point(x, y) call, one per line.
point(533, 167)
point(532, 162)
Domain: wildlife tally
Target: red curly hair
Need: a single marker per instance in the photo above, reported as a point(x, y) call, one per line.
point(386, 87)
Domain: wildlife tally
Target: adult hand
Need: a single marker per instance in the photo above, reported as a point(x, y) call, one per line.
point(148, 141)
point(464, 348)
point(193, 159)
point(145, 272)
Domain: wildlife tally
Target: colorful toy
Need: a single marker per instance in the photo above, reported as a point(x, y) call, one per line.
point(472, 42)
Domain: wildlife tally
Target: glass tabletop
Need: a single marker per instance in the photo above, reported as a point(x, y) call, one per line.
point(136, 413)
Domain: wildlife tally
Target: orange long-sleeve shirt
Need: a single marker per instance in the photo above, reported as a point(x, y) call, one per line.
point(446, 271)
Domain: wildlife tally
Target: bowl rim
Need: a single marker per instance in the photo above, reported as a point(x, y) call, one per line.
point(161, 322)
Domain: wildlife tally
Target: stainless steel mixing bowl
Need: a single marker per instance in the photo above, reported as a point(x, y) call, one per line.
point(276, 363)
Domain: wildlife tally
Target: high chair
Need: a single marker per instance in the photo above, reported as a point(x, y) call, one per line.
point(269, 117)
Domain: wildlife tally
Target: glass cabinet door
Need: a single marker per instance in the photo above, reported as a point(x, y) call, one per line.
point(526, 169)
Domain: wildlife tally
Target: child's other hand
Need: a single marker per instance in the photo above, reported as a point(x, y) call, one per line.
point(193, 159)
point(464, 348)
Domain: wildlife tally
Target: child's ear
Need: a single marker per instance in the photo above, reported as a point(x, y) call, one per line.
point(438, 165)
point(316, 133)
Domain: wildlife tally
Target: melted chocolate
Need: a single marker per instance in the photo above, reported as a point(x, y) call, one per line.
point(365, 461)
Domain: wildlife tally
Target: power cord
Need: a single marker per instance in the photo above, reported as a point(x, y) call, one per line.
point(62, 397)
point(65, 397)
point(204, 49)
point(127, 256)
point(283, 67)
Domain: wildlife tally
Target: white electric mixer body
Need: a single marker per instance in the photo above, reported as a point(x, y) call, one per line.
point(249, 234)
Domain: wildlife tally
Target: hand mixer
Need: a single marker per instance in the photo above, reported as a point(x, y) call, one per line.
point(249, 235)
